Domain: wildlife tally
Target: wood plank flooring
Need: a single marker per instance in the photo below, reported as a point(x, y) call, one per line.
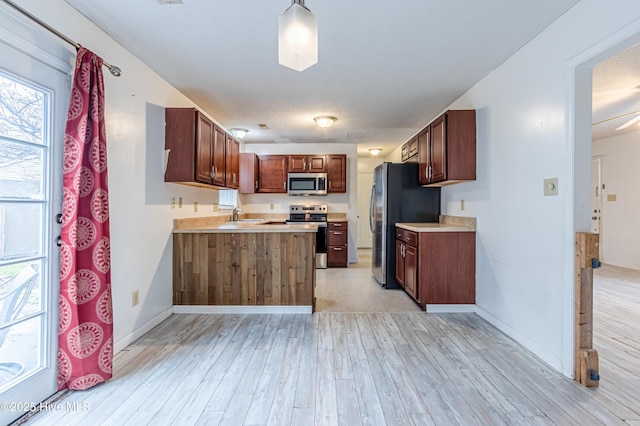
point(363, 368)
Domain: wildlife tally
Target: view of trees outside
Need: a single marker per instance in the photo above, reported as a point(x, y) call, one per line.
point(23, 112)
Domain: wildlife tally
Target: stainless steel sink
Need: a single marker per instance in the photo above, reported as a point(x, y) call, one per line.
point(252, 220)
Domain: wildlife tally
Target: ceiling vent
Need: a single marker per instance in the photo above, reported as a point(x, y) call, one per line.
point(170, 1)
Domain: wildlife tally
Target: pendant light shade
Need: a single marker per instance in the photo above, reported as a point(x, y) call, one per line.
point(297, 37)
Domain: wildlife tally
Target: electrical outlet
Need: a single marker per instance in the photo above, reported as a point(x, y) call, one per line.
point(195, 206)
point(461, 204)
point(550, 186)
point(271, 206)
point(135, 298)
point(180, 202)
point(173, 202)
point(216, 207)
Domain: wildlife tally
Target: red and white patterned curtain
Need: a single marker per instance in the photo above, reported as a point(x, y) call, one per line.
point(85, 329)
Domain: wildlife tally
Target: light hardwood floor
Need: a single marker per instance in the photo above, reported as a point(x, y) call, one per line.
point(372, 368)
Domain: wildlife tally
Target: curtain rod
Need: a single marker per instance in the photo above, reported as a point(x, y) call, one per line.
point(115, 71)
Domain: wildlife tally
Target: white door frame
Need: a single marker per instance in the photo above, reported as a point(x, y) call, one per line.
point(577, 204)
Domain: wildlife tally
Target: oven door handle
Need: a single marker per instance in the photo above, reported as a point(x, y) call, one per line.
point(373, 187)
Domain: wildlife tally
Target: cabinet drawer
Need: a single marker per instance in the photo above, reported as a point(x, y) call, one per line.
point(408, 237)
point(337, 226)
point(337, 256)
point(337, 238)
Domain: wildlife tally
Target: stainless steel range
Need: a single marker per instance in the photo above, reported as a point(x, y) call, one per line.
point(316, 215)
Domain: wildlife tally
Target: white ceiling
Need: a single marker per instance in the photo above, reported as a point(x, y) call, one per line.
point(616, 93)
point(385, 69)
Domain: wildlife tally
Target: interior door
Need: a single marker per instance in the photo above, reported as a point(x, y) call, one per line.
point(596, 198)
point(33, 102)
point(364, 183)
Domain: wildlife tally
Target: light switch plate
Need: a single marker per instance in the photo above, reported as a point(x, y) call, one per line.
point(550, 186)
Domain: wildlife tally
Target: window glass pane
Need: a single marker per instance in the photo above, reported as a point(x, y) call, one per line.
point(20, 230)
point(22, 111)
point(228, 198)
point(20, 347)
point(20, 291)
point(21, 169)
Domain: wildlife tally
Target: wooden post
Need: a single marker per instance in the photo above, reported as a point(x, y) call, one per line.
point(585, 357)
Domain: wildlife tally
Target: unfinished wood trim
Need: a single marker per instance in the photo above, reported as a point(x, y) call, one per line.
point(585, 357)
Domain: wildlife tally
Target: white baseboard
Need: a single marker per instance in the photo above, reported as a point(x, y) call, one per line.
point(446, 309)
point(141, 331)
point(544, 355)
point(241, 309)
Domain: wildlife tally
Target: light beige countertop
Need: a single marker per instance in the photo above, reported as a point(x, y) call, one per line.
point(446, 224)
point(434, 227)
point(248, 223)
point(246, 227)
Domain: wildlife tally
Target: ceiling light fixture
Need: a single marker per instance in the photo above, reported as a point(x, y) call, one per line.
point(325, 121)
point(239, 132)
point(375, 151)
point(297, 37)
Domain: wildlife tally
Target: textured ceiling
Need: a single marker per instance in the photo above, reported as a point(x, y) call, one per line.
point(616, 93)
point(385, 67)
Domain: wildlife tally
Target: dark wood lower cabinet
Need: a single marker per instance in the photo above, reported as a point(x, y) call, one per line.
point(337, 244)
point(447, 268)
point(244, 268)
point(437, 267)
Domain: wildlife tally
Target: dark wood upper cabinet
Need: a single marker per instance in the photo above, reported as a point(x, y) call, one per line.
point(447, 149)
point(307, 163)
point(249, 164)
point(232, 163)
point(197, 149)
point(337, 173)
point(204, 149)
point(189, 137)
point(218, 156)
point(410, 150)
point(272, 173)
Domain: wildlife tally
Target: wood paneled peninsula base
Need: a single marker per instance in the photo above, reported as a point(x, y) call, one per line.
point(242, 264)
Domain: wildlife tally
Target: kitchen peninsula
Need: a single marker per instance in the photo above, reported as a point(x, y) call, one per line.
point(262, 263)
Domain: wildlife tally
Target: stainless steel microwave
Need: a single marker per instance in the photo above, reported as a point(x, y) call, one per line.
point(307, 184)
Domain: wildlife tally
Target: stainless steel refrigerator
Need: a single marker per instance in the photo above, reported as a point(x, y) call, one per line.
point(396, 197)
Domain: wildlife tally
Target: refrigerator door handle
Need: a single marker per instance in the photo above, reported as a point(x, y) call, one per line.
point(373, 187)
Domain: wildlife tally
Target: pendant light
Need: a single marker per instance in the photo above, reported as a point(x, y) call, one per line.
point(297, 37)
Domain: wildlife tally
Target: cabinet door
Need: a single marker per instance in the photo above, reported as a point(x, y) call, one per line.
point(411, 271)
point(424, 155)
point(204, 147)
point(337, 173)
point(316, 163)
point(400, 268)
point(404, 152)
point(248, 173)
point(272, 173)
point(438, 150)
point(232, 163)
point(297, 163)
point(219, 143)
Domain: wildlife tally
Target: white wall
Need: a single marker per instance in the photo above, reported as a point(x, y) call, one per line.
point(525, 118)
point(338, 203)
point(141, 215)
point(620, 175)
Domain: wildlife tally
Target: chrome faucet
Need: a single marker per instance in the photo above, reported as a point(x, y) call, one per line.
point(234, 215)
